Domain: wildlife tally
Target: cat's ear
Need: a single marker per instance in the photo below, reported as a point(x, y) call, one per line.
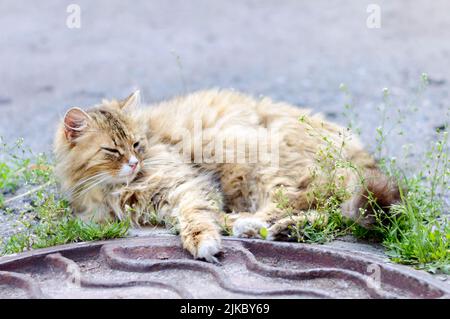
point(133, 100)
point(75, 121)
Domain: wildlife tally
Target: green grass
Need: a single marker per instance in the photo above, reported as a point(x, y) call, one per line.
point(417, 231)
point(19, 166)
point(54, 225)
point(49, 222)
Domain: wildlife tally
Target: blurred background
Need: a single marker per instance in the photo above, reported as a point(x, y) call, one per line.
point(320, 54)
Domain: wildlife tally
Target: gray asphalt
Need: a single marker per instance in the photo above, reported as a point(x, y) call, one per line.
point(297, 51)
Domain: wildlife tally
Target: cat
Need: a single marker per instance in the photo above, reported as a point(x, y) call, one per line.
point(177, 159)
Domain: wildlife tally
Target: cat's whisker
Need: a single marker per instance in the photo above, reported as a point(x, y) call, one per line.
point(91, 186)
point(155, 163)
point(81, 191)
point(160, 159)
point(82, 181)
point(82, 186)
point(85, 181)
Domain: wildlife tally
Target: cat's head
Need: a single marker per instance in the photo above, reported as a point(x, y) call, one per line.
point(102, 145)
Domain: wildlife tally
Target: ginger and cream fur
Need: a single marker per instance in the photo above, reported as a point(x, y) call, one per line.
point(119, 159)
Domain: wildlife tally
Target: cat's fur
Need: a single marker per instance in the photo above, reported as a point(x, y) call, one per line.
point(107, 175)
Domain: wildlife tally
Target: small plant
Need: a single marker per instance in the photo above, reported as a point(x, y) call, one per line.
point(417, 230)
point(20, 167)
point(349, 111)
point(49, 220)
point(321, 225)
point(53, 224)
point(225, 226)
point(327, 191)
point(263, 232)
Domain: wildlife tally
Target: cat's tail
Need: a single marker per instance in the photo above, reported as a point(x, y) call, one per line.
point(373, 193)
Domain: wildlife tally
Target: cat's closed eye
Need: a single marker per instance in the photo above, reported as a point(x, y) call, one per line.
point(112, 151)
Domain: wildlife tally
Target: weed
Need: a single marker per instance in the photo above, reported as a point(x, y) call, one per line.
point(53, 224)
point(50, 222)
point(320, 229)
point(417, 231)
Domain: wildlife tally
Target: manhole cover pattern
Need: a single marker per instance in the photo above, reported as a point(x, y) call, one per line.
point(157, 267)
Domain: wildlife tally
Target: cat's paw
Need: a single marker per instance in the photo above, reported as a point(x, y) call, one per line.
point(203, 241)
point(249, 227)
point(208, 248)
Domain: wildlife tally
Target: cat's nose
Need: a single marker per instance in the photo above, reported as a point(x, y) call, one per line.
point(133, 162)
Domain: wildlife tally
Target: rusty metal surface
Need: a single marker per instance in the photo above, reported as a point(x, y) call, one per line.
point(157, 267)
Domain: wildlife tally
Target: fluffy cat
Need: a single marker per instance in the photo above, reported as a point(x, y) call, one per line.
point(178, 159)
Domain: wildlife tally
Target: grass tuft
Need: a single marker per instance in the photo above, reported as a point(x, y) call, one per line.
point(417, 231)
point(49, 221)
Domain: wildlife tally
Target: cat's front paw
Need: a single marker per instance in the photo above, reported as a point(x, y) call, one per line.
point(208, 248)
point(248, 227)
point(203, 245)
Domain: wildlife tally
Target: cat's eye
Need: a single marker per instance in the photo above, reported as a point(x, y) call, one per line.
point(136, 145)
point(111, 150)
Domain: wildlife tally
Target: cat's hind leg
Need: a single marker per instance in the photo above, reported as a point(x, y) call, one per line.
point(281, 228)
point(250, 225)
point(242, 224)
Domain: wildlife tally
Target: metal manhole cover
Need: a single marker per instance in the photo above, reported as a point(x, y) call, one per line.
point(157, 267)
